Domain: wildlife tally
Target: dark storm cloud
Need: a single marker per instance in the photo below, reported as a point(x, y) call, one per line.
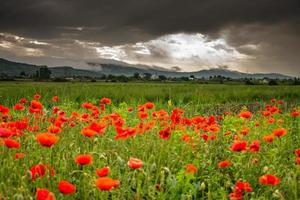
point(118, 21)
point(268, 31)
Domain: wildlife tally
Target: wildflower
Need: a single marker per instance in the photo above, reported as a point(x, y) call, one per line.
point(106, 183)
point(35, 107)
point(84, 159)
point(66, 188)
point(19, 155)
point(39, 170)
point(47, 139)
point(149, 105)
point(279, 132)
point(268, 138)
point(191, 169)
point(245, 131)
point(225, 163)
point(135, 163)
point(298, 160)
point(245, 114)
point(165, 133)
point(105, 100)
point(55, 99)
point(243, 186)
point(86, 131)
point(102, 172)
point(19, 107)
point(295, 114)
point(185, 138)
point(142, 115)
point(269, 179)
point(297, 152)
point(44, 194)
point(255, 146)
point(239, 146)
point(37, 96)
point(23, 100)
point(54, 129)
point(237, 193)
point(10, 143)
point(4, 110)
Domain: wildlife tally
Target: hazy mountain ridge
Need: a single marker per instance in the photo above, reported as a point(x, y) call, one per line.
point(120, 68)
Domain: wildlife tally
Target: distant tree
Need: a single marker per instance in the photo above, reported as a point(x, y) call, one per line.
point(273, 82)
point(136, 75)
point(147, 76)
point(111, 77)
point(43, 73)
point(103, 77)
point(162, 78)
point(22, 73)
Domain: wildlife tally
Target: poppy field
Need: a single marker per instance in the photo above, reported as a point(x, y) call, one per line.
point(149, 141)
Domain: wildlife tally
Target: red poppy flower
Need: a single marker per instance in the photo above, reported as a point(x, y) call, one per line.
point(255, 146)
point(47, 139)
point(297, 152)
point(55, 99)
point(149, 105)
point(135, 163)
point(4, 133)
point(102, 172)
point(295, 114)
point(22, 100)
point(19, 107)
point(19, 155)
point(279, 132)
point(54, 129)
point(4, 110)
point(191, 169)
point(35, 107)
point(84, 159)
point(44, 194)
point(37, 96)
point(142, 115)
point(243, 186)
point(185, 138)
point(66, 188)
point(87, 132)
point(245, 114)
point(105, 183)
point(39, 170)
point(298, 160)
point(268, 138)
point(105, 100)
point(225, 163)
point(239, 146)
point(269, 179)
point(245, 131)
point(236, 195)
point(10, 143)
point(165, 133)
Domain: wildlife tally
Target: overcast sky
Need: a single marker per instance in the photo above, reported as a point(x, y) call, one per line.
point(190, 35)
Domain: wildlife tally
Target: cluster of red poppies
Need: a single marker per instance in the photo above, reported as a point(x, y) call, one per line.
point(96, 122)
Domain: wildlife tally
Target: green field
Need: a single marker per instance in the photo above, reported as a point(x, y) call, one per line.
point(164, 173)
point(180, 93)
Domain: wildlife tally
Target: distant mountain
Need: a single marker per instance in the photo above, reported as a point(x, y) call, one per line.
point(13, 69)
point(106, 67)
point(130, 70)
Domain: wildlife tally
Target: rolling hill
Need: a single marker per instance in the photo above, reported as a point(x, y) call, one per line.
point(13, 69)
